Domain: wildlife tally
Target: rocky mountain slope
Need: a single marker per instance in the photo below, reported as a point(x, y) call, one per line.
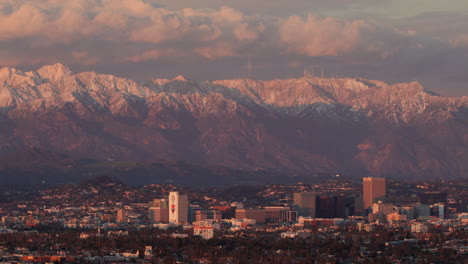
point(308, 125)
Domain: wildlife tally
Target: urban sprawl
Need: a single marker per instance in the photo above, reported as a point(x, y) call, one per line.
point(370, 220)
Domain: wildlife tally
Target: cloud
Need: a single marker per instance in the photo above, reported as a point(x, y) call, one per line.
point(459, 41)
point(271, 7)
point(182, 34)
point(153, 55)
point(139, 30)
point(134, 29)
point(215, 51)
point(359, 39)
point(314, 37)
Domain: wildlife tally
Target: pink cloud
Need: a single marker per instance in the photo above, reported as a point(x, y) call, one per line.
point(459, 41)
point(137, 30)
point(153, 55)
point(315, 37)
point(215, 51)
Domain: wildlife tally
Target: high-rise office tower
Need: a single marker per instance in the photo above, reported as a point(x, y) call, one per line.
point(178, 208)
point(373, 190)
point(159, 212)
point(305, 203)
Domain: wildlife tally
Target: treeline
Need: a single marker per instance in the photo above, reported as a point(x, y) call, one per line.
point(247, 247)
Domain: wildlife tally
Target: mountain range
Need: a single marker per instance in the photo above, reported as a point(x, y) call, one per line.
point(309, 125)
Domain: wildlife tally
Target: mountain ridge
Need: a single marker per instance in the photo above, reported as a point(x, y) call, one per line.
point(313, 124)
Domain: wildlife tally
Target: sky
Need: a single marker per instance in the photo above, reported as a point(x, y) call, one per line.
point(389, 40)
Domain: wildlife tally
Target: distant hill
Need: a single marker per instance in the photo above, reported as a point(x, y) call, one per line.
point(35, 166)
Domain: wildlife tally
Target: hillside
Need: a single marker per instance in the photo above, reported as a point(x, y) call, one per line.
point(308, 125)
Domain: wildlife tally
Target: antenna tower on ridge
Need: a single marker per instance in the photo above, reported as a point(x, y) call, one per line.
point(250, 68)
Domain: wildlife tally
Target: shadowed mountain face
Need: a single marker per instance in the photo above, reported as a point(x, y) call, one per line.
point(309, 125)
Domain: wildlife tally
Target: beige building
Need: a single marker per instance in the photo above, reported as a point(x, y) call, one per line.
point(121, 216)
point(419, 228)
point(201, 215)
point(159, 212)
point(259, 215)
point(204, 229)
point(279, 214)
point(373, 190)
point(159, 215)
point(396, 217)
point(384, 208)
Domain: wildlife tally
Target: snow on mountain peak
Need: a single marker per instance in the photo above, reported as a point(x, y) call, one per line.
point(401, 102)
point(6, 73)
point(14, 77)
point(54, 72)
point(180, 78)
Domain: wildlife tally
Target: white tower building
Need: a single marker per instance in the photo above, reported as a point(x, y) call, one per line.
point(178, 208)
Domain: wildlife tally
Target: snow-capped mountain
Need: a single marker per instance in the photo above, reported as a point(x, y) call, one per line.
point(353, 126)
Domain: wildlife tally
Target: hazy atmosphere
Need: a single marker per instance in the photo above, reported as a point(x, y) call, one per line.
point(233, 131)
point(393, 41)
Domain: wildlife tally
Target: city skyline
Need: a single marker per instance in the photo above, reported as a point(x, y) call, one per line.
point(233, 131)
point(104, 220)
